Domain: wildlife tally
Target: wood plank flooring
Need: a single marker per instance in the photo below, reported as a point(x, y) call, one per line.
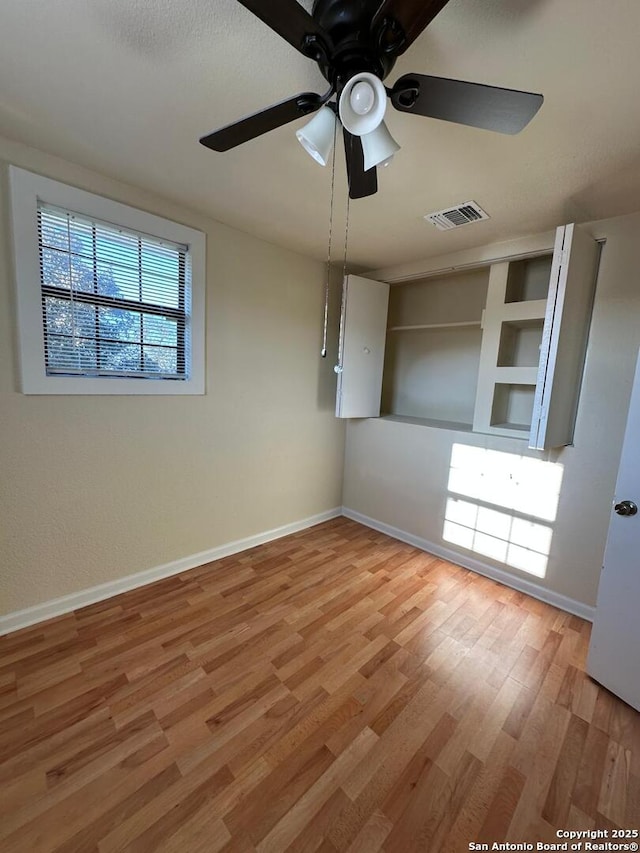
point(335, 690)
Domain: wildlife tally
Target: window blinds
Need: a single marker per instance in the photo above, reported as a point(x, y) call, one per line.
point(115, 302)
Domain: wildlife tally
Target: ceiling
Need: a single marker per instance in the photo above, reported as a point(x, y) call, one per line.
point(127, 87)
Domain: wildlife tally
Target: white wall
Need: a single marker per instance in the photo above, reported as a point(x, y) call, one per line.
point(398, 473)
point(95, 488)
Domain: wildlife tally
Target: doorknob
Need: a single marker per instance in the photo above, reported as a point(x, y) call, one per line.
point(626, 508)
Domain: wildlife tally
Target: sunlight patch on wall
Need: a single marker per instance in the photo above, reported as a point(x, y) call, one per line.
point(499, 503)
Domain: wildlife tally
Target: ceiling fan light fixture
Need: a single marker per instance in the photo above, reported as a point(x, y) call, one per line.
point(363, 103)
point(317, 136)
point(378, 147)
point(362, 99)
point(344, 37)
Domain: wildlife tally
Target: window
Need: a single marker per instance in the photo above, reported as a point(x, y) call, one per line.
point(110, 298)
point(113, 301)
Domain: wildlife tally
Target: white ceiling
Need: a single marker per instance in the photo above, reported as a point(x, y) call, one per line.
point(127, 87)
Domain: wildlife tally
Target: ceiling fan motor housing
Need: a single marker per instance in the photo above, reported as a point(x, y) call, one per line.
point(359, 41)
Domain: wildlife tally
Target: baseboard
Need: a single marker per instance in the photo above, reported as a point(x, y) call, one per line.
point(570, 605)
point(67, 603)
point(59, 606)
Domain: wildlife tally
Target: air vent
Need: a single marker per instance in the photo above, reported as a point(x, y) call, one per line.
point(454, 217)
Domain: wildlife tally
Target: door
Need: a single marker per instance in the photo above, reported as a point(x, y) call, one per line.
point(614, 654)
point(363, 330)
point(564, 337)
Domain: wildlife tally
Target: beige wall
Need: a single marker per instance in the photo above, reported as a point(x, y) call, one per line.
point(96, 488)
point(397, 473)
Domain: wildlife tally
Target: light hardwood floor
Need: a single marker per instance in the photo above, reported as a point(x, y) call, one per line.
point(335, 690)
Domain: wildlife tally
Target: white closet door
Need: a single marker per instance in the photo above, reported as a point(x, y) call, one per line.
point(363, 328)
point(564, 339)
point(614, 654)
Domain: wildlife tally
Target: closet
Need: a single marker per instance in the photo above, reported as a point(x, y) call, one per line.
point(497, 349)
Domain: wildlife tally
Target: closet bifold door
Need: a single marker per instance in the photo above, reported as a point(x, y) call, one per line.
point(363, 325)
point(564, 337)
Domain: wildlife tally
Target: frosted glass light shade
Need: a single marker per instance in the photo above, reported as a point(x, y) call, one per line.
point(378, 147)
point(363, 102)
point(316, 137)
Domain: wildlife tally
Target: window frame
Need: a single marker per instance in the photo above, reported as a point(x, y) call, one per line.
point(27, 190)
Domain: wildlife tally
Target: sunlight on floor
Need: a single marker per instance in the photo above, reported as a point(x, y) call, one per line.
point(507, 498)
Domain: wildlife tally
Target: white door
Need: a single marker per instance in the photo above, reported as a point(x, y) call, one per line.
point(564, 338)
point(614, 654)
point(363, 329)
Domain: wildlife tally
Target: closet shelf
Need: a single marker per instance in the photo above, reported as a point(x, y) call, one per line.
point(433, 326)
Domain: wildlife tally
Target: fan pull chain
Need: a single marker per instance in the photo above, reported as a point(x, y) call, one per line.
point(338, 367)
point(346, 237)
point(323, 351)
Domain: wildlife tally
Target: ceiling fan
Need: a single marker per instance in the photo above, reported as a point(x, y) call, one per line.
point(355, 44)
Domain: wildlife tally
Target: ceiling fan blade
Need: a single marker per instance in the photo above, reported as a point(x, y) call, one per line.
point(361, 183)
point(412, 15)
point(292, 22)
point(473, 104)
point(258, 123)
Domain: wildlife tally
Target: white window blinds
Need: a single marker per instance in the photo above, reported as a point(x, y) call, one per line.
point(115, 302)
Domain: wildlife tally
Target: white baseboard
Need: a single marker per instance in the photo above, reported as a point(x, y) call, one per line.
point(67, 603)
point(533, 589)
